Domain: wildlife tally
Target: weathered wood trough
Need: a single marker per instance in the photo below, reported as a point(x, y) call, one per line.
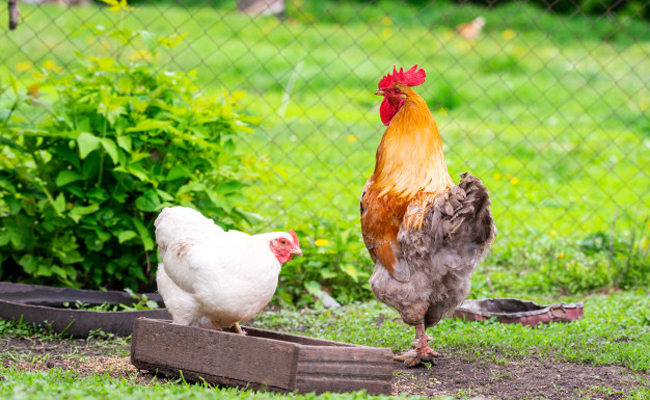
point(39, 304)
point(261, 359)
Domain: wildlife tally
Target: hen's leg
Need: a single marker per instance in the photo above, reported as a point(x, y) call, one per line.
point(420, 350)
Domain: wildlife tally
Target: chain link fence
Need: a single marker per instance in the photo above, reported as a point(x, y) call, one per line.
point(546, 102)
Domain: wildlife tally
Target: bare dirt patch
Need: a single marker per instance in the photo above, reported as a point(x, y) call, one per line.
point(529, 377)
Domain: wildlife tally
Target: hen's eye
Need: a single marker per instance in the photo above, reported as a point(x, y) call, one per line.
point(283, 241)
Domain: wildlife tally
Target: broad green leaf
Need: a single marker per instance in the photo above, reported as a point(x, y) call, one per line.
point(90, 167)
point(87, 143)
point(164, 195)
point(71, 257)
point(59, 203)
point(145, 237)
point(29, 263)
point(65, 177)
point(326, 274)
point(98, 195)
point(229, 187)
point(126, 235)
point(313, 288)
point(351, 270)
point(148, 125)
point(251, 119)
point(13, 84)
point(148, 201)
point(238, 95)
point(179, 171)
point(124, 142)
point(5, 236)
point(111, 149)
point(78, 212)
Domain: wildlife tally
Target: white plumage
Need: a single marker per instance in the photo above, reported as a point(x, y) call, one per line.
point(211, 278)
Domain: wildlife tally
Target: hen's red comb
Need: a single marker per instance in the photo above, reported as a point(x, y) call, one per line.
point(294, 236)
point(412, 77)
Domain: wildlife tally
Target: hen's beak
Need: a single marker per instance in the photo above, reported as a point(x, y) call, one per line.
point(379, 92)
point(296, 251)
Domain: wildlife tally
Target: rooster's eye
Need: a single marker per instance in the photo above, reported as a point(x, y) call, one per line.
point(283, 241)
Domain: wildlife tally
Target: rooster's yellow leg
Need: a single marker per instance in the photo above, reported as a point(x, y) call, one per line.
point(238, 329)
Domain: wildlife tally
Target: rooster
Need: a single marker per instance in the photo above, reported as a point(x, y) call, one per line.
point(424, 234)
point(214, 279)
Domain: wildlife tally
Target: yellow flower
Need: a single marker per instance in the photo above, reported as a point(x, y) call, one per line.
point(514, 180)
point(388, 21)
point(508, 34)
point(38, 75)
point(553, 233)
point(643, 106)
point(496, 176)
point(352, 139)
point(508, 176)
point(51, 65)
point(140, 55)
point(24, 66)
point(443, 111)
point(387, 32)
point(321, 242)
point(560, 255)
point(185, 197)
point(118, 5)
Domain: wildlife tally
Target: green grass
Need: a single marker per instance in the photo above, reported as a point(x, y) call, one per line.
point(550, 112)
point(614, 331)
point(60, 384)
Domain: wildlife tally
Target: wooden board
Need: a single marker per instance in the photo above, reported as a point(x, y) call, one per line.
point(261, 360)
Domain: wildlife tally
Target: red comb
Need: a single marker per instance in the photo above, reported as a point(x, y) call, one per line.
point(412, 77)
point(294, 236)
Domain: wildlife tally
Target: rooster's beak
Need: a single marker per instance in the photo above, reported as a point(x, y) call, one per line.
point(379, 92)
point(296, 251)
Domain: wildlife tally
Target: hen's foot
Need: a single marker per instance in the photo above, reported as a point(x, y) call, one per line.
point(236, 329)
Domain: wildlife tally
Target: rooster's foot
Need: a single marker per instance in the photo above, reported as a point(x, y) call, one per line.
point(414, 358)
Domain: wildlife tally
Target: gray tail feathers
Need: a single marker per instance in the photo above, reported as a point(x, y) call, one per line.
point(463, 215)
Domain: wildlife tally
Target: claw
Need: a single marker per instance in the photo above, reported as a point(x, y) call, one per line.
point(420, 351)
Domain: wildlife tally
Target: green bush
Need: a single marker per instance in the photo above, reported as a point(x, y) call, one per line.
point(123, 139)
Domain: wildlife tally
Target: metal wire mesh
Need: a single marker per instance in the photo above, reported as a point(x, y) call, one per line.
point(549, 110)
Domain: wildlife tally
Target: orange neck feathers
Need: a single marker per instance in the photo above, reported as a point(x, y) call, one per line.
point(410, 157)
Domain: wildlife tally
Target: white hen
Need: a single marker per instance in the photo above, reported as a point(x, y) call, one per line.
point(213, 279)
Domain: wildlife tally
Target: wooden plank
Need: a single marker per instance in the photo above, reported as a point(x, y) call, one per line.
point(216, 354)
point(358, 354)
point(323, 369)
point(262, 359)
point(287, 337)
point(342, 385)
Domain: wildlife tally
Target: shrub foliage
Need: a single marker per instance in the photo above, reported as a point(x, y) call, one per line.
point(79, 193)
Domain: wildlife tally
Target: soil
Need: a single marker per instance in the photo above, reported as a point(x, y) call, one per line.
point(454, 374)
